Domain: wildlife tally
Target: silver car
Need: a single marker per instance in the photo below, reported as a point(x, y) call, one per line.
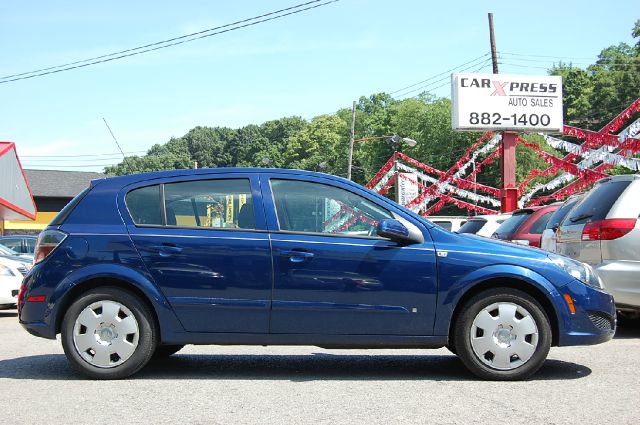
point(603, 230)
point(548, 239)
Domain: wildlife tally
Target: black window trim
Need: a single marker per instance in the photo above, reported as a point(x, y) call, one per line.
point(163, 209)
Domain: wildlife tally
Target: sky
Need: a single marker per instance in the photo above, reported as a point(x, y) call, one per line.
point(306, 64)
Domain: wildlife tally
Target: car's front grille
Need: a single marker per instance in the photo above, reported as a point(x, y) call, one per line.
point(601, 320)
point(23, 270)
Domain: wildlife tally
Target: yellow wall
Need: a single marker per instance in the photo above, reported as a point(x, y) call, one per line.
point(41, 221)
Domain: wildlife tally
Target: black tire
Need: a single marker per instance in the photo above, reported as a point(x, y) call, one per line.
point(507, 346)
point(163, 351)
point(140, 345)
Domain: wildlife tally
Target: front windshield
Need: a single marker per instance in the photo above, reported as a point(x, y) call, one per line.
point(5, 250)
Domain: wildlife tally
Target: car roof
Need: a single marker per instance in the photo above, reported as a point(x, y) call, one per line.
point(140, 177)
point(620, 177)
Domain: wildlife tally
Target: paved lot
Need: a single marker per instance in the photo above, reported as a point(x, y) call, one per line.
point(208, 384)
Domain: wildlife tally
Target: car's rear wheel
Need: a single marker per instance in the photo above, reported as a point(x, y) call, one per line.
point(166, 350)
point(502, 334)
point(108, 333)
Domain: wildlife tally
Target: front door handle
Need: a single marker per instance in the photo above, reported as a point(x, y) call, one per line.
point(297, 256)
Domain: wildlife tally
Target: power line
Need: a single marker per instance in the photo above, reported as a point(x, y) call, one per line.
point(442, 73)
point(446, 77)
point(302, 7)
point(545, 56)
point(75, 156)
point(612, 64)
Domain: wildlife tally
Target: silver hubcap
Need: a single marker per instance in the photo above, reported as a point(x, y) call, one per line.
point(106, 334)
point(504, 336)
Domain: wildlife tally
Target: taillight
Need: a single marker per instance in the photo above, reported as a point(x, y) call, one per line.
point(47, 242)
point(21, 295)
point(608, 229)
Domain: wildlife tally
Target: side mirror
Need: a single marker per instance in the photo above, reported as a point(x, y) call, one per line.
point(397, 232)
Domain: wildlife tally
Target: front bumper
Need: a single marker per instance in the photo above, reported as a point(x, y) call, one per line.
point(9, 288)
point(594, 321)
point(622, 280)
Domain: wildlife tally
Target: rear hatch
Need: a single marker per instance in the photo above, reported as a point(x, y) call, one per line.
point(576, 238)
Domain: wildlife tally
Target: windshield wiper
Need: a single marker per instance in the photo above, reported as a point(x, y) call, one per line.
point(580, 217)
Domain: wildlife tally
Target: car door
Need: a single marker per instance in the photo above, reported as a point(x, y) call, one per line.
point(332, 274)
point(203, 240)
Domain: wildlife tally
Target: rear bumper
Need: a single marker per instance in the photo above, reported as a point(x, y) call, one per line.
point(595, 319)
point(622, 280)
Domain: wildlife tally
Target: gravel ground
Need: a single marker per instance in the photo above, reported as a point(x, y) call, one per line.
point(211, 385)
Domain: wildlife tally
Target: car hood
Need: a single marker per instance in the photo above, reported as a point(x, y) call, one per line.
point(473, 243)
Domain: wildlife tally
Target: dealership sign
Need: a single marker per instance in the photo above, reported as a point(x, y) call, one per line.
point(506, 102)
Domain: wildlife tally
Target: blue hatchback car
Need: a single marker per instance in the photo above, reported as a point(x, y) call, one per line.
point(138, 266)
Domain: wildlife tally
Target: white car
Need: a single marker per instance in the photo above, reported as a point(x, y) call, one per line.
point(483, 225)
point(450, 223)
point(11, 274)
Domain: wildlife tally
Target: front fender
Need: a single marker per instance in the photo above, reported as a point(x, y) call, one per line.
point(450, 295)
point(59, 298)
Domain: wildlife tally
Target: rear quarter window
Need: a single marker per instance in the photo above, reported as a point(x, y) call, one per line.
point(68, 209)
point(144, 205)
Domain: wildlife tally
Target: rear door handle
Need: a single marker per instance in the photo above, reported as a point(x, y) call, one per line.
point(297, 256)
point(166, 250)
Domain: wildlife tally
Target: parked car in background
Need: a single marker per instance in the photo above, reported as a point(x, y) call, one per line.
point(140, 265)
point(22, 244)
point(450, 223)
point(11, 274)
point(483, 225)
point(526, 225)
point(603, 230)
point(548, 239)
point(8, 252)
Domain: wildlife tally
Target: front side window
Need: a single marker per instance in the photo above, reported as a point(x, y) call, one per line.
point(318, 208)
point(221, 204)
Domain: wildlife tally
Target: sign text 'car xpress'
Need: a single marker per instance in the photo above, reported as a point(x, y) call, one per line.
point(507, 102)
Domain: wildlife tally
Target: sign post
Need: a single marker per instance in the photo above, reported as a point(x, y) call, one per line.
point(511, 104)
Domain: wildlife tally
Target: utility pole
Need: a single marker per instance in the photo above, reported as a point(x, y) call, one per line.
point(492, 40)
point(353, 136)
point(509, 195)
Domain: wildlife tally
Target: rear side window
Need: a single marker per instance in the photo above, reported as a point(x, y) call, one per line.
point(144, 205)
point(597, 203)
point(512, 224)
point(538, 227)
point(444, 224)
point(64, 213)
point(561, 213)
point(472, 226)
point(222, 204)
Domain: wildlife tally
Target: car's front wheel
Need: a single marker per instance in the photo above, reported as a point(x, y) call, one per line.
point(502, 334)
point(108, 333)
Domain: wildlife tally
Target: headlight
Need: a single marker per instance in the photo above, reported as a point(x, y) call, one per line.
point(583, 272)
